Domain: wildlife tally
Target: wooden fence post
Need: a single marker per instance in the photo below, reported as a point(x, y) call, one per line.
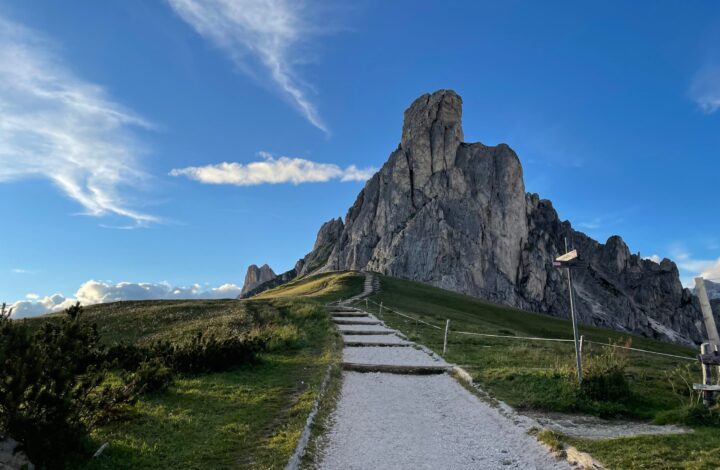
point(708, 397)
point(582, 338)
point(380, 308)
point(447, 327)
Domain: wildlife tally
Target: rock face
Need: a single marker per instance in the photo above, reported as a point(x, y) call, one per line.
point(456, 215)
point(256, 276)
point(327, 237)
point(712, 289)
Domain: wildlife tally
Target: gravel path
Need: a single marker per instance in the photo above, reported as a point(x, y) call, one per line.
point(397, 421)
point(388, 421)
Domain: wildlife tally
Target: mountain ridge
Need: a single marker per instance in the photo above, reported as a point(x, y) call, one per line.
point(456, 215)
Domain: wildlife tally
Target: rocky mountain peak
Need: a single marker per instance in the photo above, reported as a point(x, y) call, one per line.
point(256, 276)
point(456, 215)
point(432, 132)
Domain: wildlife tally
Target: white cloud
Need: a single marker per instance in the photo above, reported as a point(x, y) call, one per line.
point(654, 258)
point(705, 88)
point(96, 292)
point(268, 30)
point(57, 126)
point(273, 170)
point(353, 173)
point(691, 267)
point(686, 262)
point(34, 307)
point(712, 272)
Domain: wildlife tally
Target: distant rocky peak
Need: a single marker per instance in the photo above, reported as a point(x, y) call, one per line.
point(256, 276)
point(712, 289)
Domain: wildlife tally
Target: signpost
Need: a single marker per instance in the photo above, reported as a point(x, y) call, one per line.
point(569, 259)
point(709, 355)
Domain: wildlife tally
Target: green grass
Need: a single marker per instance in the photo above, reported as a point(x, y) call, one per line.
point(250, 417)
point(697, 451)
point(329, 287)
point(526, 373)
point(537, 375)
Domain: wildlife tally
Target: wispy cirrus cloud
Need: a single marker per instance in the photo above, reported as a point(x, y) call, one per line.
point(57, 126)
point(705, 88)
point(272, 170)
point(269, 31)
point(22, 271)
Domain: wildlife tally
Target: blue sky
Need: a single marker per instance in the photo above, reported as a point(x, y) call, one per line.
point(613, 108)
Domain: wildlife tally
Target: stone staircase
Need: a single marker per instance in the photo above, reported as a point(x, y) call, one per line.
point(370, 346)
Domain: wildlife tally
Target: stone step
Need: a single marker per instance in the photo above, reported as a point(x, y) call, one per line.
point(349, 314)
point(367, 332)
point(358, 344)
point(396, 369)
point(343, 321)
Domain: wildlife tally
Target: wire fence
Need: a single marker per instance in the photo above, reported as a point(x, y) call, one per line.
point(384, 308)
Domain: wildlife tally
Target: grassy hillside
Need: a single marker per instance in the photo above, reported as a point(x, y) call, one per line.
point(250, 417)
point(538, 375)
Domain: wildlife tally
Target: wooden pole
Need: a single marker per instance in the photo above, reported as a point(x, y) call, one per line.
point(380, 308)
point(582, 338)
point(712, 332)
point(447, 327)
point(578, 356)
point(366, 304)
point(708, 397)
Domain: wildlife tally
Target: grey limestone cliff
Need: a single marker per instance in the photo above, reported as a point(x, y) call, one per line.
point(456, 215)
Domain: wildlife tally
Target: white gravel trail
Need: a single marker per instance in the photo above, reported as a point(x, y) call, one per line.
point(390, 421)
point(395, 421)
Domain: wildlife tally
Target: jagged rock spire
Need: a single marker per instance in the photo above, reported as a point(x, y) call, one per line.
point(432, 132)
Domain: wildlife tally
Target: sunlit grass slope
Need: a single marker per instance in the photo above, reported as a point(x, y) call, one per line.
point(250, 417)
point(330, 286)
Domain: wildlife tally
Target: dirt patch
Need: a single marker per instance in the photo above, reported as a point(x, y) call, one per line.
point(591, 427)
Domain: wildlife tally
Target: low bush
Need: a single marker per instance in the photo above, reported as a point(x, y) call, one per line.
point(152, 376)
point(691, 410)
point(604, 375)
point(52, 390)
point(208, 353)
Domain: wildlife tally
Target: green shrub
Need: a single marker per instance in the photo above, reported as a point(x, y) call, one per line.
point(209, 354)
point(126, 356)
point(52, 392)
point(604, 375)
point(691, 410)
point(152, 376)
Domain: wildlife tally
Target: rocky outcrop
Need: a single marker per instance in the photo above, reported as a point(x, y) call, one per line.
point(456, 215)
point(256, 276)
point(326, 239)
point(712, 289)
